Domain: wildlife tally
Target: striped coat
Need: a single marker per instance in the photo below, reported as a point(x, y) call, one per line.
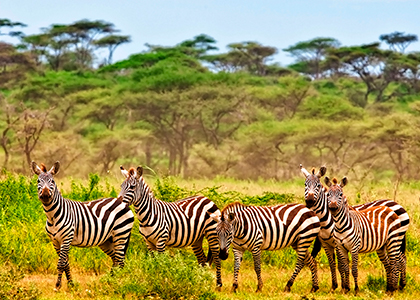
point(176, 224)
point(257, 228)
point(105, 222)
point(405, 222)
point(377, 228)
point(316, 200)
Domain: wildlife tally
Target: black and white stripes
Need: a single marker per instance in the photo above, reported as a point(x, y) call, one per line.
point(176, 224)
point(105, 222)
point(377, 228)
point(257, 228)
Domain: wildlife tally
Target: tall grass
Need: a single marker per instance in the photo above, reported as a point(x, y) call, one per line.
point(26, 249)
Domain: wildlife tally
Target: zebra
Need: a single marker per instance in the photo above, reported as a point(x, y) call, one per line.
point(316, 200)
point(257, 228)
point(405, 221)
point(172, 224)
point(377, 228)
point(104, 222)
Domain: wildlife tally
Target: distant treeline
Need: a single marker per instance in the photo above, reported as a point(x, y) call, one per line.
point(183, 110)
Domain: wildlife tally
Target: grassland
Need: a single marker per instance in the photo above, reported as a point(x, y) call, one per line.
point(28, 261)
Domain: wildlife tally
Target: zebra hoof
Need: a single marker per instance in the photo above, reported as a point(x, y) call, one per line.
point(314, 288)
point(234, 287)
point(287, 289)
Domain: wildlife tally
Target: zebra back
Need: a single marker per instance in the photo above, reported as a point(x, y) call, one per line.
point(272, 227)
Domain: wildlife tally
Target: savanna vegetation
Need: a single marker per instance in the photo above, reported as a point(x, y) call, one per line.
point(191, 111)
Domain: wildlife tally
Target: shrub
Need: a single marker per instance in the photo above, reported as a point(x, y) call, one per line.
point(169, 277)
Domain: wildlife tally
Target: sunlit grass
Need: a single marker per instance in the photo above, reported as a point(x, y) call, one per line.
point(26, 249)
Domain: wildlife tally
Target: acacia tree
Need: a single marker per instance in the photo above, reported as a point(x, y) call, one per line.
point(398, 40)
point(310, 54)
point(29, 130)
point(6, 23)
point(251, 57)
point(376, 68)
point(112, 42)
point(13, 64)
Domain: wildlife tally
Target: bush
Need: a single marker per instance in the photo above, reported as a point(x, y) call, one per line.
point(10, 289)
point(169, 277)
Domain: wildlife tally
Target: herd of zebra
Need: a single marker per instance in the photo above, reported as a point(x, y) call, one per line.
point(326, 219)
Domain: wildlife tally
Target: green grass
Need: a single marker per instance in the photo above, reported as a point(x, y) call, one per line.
point(28, 260)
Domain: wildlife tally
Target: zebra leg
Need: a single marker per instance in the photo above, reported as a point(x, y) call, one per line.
point(120, 245)
point(354, 270)
point(393, 249)
point(311, 263)
point(329, 250)
point(403, 270)
point(383, 256)
point(108, 248)
point(341, 269)
point(238, 259)
point(343, 259)
point(199, 253)
point(214, 252)
point(256, 255)
point(63, 263)
point(301, 255)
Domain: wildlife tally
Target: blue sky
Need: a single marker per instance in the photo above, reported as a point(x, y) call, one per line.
point(276, 23)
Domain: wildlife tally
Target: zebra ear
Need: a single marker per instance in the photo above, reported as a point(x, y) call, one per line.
point(327, 181)
point(231, 217)
point(37, 170)
point(321, 171)
point(124, 172)
point(304, 171)
point(139, 172)
point(343, 182)
point(215, 216)
point(55, 168)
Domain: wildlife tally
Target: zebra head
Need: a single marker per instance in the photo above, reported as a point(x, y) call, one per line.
point(224, 232)
point(46, 184)
point(313, 185)
point(131, 187)
point(335, 197)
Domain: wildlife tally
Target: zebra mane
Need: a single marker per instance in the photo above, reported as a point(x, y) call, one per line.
point(131, 171)
point(43, 167)
point(235, 206)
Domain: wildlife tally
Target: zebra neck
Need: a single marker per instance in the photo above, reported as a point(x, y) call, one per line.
point(147, 208)
point(54, 208)
point(341, 218)
point(322, 211)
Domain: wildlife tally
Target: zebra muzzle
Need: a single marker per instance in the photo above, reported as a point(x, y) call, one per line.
point(333, 206)
point(45, 194)
point(309, 200)
point(223, 254)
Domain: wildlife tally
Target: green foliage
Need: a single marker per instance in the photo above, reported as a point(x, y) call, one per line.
point(330, 108)
point(376, 283)
point(11, 289)
point(168, 277)
point(167, 190)
point(92, 191)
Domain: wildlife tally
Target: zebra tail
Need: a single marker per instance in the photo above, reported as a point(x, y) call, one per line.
point(317, 247)
point(210, 257)
point(403, 245)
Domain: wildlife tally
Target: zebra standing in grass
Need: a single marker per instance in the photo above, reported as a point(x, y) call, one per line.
point(316, 200)
point(377, 228)
point(176, 224)
point(405, 222)
point(257, 228)
point(105, 222)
